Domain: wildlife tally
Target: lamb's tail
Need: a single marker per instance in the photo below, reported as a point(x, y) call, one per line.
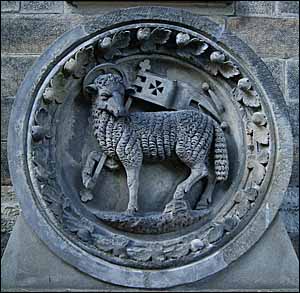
point(220, 153)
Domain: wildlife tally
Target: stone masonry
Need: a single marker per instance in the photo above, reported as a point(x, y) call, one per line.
point(270, 28)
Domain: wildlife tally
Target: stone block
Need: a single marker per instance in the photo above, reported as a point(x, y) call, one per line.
point(6, 105)
point(292, 80)
point(32, 34)
point(13, 70)
point(257, 8)
point(287, 8)
point(200, 7)
point(5, 178)
point(291, 220)
point(10, 6)
point(291, 199)
point(268, 37)
point(42, 6)
point(276, 66)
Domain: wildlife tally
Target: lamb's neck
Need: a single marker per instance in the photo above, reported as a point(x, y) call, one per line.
point(107, 130)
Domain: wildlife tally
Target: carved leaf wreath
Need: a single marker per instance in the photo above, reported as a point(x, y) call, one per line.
point(57, 89)
point(150, 39)
point(256, 164)
point(188, 46)
point(111, 46)
point(243, 92)
point(258, 128)
point(218, 64)
point(81, 62)
point(41, 128)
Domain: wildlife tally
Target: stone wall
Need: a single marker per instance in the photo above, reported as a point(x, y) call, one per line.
point(271, 28)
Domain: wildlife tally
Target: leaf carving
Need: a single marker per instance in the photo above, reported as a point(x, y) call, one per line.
point(57, 89)
point(215, 233)
point(150, 39)
point(245, 93)
point(79, 65)
point(218, 64)
point(258, 128)
point(188, 46)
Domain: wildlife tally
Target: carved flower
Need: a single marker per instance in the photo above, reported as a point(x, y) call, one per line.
point(244, 93)
point(80, 64)
point(111, 46)
point(188, 46)
point(150, 39)
point(57, 89)
point(218, 64)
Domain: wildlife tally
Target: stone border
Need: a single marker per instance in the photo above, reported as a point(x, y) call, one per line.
point(123, 275)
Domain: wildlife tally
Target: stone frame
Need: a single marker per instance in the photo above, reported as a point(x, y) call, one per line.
point(166, 277)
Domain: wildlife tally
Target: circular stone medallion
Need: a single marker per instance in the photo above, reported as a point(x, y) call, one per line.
point(147, 152)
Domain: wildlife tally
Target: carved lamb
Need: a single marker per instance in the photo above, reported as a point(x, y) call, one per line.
point(131, 137)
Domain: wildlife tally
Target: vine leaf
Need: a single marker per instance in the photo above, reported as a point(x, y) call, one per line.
point(258, 170)
point(244, 92)
point(218, 64)
point(242, 208)
point(82, 60)
point(139, 253)
point(215, 233)
point(41, 127)
point(57, 89)
point(258, 128)
point(188, 46)
point(150, 39)
point(111, 46)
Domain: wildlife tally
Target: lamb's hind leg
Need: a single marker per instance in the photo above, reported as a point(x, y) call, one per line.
point(198, 171)
point(133, 186)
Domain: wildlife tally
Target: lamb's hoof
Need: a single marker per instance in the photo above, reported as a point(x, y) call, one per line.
point(131, 211)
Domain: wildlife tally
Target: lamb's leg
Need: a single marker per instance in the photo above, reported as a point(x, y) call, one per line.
point(198, 171)
point(133, 186)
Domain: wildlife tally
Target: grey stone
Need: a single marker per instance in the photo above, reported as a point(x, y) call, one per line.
point(13, 70)
point(199, 7)
point(42, 6)
point(291, 199)
point(5, 177)
point(292, 80)
point(293, 108)
point(259, 8)
point(276, 66)
point(31, 34)
point(6, 105)
point(97, 266)
point(291, 220)
point(10, 6)
point(28, 264)
point(288, 8)
point(268, 37)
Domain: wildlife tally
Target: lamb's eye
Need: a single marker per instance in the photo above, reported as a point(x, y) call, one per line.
point(105, 96)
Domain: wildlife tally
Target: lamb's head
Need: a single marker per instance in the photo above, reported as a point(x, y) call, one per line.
point(107, 92)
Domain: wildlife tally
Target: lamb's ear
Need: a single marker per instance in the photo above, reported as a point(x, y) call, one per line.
point(130, 91)
point(91, 90)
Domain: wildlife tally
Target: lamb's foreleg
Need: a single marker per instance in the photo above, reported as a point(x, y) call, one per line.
point(198, 172)
point(133, 186)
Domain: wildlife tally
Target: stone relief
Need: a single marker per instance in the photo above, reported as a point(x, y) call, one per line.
point(150, 146)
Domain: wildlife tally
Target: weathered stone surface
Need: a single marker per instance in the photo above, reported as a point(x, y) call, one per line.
point(268, 37)
point(33, 33)
point(200, 7)
point(257, 8)
point(6, 105)
point(292, 80)
point(10, 209)
point(271, 271)
point(291, 220)
point(42, 6)
point(10, 6)
point(288, 8)
point(291, 199)
point(293, 108)
point(5, 178)
point(13, 70)
point(276, 66)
